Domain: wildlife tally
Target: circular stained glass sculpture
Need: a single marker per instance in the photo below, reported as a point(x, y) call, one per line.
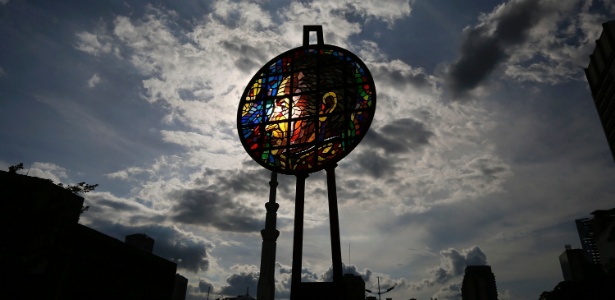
point(306, 109)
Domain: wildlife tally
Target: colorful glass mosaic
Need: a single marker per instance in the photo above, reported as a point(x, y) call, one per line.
point(306, 109)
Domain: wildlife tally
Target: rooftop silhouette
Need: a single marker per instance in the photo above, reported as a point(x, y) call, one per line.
point(45, 246)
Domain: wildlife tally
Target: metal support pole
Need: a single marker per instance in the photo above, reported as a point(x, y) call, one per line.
point(298, 237)
point(336, 249)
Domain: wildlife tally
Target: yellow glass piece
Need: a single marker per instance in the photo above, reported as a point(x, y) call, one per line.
point(256, 88)
point(331, 108)
point(282, 88)
point(246, 109)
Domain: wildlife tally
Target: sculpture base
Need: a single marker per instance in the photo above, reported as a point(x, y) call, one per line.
point(316, 290)
point(351, 288)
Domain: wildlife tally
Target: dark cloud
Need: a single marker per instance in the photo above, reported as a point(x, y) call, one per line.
point(399, 78)
point(451, 291)
point(398, 136)
point(486, 45)
point(236, 181)
point(217, 201)
point(488, 168)
point(191, 253)
point(351, 190)
point(205, 286)
point(238, 284)
point(249, 57)
point(208, 208)
point(246, 64)
point(374, 164)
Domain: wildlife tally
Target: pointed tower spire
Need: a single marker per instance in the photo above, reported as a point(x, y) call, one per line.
point(266, 279)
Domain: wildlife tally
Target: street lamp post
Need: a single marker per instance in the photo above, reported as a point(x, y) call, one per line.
point(379, 292)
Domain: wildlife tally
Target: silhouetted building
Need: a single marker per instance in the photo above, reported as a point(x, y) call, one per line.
point(478, 284)
point(34, 214)
point(355, 287)
point(46, 254)
point(181, 286)
point(575, 266)
point(587, 236)
point(597, 235)
point(604, 227)
point(601, 78)
point(96, 266)
point(141, 241)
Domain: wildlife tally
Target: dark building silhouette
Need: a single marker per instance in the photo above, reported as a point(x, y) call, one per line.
point(96, 266)
point(355, 287)
point(604, 227)
point(574, 263)
point(181, 286)
point(589, 273)
point(601, 78)
point(597, 235)
point(46, 254)
point(587, 236)
point(141, 241)
point(478, 284)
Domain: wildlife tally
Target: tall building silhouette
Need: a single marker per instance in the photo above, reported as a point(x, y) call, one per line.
point(575, 266)
point(601, 78)
point(597, 235)
point(479, 284)
point(604, 224)
point(587, 236)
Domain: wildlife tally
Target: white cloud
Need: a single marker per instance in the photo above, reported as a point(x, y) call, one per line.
point(94, 44)
point(51, 171)
point(386, 11)
point(452, 266)
point(2, 73)
point(94, 80)
point(3, 2)
point(128, 173)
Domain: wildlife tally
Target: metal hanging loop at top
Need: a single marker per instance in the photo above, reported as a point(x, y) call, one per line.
point(306, 34)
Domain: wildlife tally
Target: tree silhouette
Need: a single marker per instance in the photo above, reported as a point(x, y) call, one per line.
point(15, 168)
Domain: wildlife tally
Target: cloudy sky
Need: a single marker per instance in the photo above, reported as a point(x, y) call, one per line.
point(484, 149)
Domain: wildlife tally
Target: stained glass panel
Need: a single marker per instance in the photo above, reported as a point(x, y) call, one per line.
point(306, 109)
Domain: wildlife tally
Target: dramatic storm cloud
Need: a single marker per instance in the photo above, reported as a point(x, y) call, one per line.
point(507, 34)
